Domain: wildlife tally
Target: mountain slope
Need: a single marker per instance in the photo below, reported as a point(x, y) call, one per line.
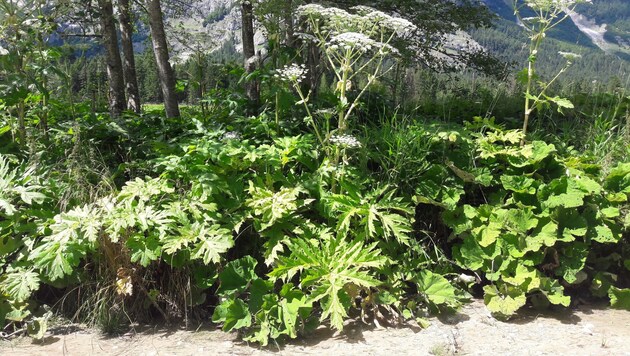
point(602, 23)
point(584, 33)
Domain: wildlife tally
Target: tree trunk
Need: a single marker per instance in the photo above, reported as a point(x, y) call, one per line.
point(249, 54)
point(112, 54)
point(129, 61)
point(290, 26)
point(160, 49)
point(314, 71)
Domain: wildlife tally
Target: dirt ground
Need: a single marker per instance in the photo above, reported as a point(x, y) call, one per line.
point(588, 330)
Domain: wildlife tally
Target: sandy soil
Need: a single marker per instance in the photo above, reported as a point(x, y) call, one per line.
point(585, 331)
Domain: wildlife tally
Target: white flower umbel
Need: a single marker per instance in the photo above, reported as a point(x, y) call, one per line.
point(293, 73)
point(569, 56)
point(331, 14)
point(232, 135)
point(547, 5)
point(400, 26)
point(397, 25)
point(310, 10)
point(353, 40)
point(357, 45)
point(345, 141)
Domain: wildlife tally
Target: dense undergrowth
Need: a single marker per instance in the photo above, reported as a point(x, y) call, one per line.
point(246, 223)
point(271, 224)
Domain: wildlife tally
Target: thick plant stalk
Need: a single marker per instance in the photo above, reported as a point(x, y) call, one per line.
point(530, 75)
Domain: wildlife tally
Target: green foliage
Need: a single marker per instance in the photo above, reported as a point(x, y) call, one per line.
point(619, 298)
point(22, 214)
point(16, 188)
point(541, 223)
point(268, 315)
point(276, 229)
point(547, 15)
point(437, 289)
point(377, 214)
point(332, 269)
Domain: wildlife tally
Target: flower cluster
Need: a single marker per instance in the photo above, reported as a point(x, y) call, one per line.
point(316, 11)
point(293, 73)
point(232, 135)
point(400, 26)
point(345, 141)
point(569, 56)
point(309, 10)
point(548, 5)
point(397, 25)
point(352, 40)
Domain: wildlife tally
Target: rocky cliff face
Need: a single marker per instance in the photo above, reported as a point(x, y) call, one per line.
point(207, 26)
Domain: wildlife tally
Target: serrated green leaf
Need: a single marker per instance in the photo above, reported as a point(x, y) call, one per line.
point(545, 234)
point(619, 298)
point(618, 180)
point(212, 244)
point(436, 289)
point(503, 305)
point(327, 265)
point(526, 279)
point(38, 327)
point(423, 323)
point(235, 315)
point(565, 200)
point(572, 260)
point(460, 219)
point(335, 306)
point(237, 275)
point(561, 103)
point(571, 224)
point(521, 221)
point(604, 234)
point(18, 314)
point(539, 151)
point(144, 249)
point(470, 255)
point(257, 290)
point(519, 184)
point(602, 281)
point(29, 196)
point(488, 234)
point(610, 212)
point(19, 285)
point(294, 305)
point(554, 292)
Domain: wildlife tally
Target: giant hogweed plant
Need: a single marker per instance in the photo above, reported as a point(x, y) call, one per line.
point(279, 191)
point(326, 255)
point(21, 215)
point(354, 45)
point(358, 48)
point(547, 15)
point(542, 224)
point(144, 222)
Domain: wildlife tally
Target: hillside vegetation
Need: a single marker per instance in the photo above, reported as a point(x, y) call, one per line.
point(362, 165)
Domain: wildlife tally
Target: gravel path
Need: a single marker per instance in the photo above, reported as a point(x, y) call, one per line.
point(584, 331)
